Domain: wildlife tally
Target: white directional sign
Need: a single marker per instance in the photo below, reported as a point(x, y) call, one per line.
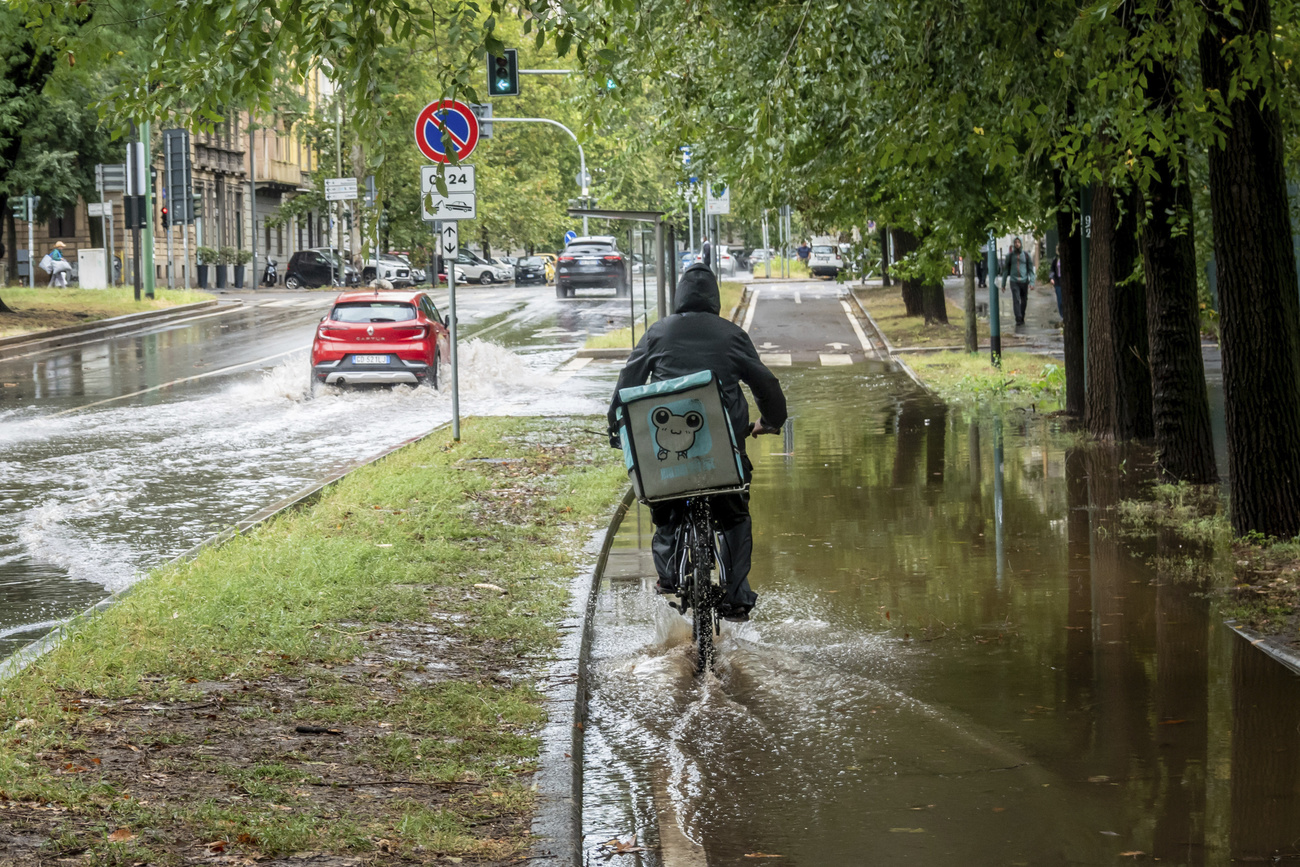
point(340, 189)
point(460, 202)
point(448, 241)
point(719, 200)
point(98, 209)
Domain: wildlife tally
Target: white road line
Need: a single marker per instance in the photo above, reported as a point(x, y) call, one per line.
point(315, 302)
point(775, 359)
point(575, 363)
point(797, 299)
point(834, 360)
point(218, 372)
point(857, 329)
point(279, 302)
point(749, 314)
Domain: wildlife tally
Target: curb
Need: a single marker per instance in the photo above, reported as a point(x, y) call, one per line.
point(738, 312)
point(25, 656)
point(884, 341)
point(1284, 655)
point(557, 824)
point(56, 337)
point(603, 353)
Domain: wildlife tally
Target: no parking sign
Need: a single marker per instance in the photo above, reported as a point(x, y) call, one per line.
point(460, 124)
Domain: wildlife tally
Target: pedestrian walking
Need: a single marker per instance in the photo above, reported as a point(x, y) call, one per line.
point(1055, 272)
point(803, 252)
point(981, 272)
point(1019, 272)
point(706, 252)
point(56, 266)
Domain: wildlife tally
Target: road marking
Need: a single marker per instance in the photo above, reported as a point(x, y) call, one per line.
point(797, 299)
point(314, 302)
point(834, 360)
point(857, 329)
point(749, 314)
point(575, 364)
point(775, 359)
point(279, 302)
point(218, 372)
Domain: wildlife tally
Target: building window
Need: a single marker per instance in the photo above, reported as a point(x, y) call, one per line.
point(64, 225)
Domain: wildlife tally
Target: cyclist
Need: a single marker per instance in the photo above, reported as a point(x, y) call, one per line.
point(696, 338)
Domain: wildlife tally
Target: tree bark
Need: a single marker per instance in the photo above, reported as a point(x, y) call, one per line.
point(11, 244)
point(1118, 403)
point(972, 335)
point(934, 306)
point(1258, 305)
point(1070, 250)
point(905, 243)
point(884, 257)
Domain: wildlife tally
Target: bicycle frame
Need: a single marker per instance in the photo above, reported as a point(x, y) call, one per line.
point(697, 586)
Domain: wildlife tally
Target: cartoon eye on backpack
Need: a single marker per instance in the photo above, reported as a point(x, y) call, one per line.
point(675, 433)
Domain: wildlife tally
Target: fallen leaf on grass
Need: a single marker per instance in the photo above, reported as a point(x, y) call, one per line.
point(121, 835)
point(492, 587)
point(618, 847)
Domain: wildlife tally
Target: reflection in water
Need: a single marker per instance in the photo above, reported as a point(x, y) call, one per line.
point(911, 694)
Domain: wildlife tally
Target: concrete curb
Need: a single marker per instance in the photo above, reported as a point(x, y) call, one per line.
point(56, 337)
point(738, 312)
point(25, 656)
point(609, 352)
point(1285, 655)
point(557, 824)
point(875, 326)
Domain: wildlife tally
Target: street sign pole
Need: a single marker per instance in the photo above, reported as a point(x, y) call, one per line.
point(448, 242)
point(31, 244)
point(995, 312)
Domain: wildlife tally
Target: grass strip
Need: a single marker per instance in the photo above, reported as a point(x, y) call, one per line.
point(885, 304)
point(41, 309)
point(1025, 380)
point(729, 291)
point(349, 678)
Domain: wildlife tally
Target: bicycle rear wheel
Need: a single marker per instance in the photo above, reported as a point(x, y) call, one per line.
point(703, 598)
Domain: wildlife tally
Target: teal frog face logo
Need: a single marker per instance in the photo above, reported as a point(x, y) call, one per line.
point(675, 433)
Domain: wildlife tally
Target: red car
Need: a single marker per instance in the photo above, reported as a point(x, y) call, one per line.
point(374, 337)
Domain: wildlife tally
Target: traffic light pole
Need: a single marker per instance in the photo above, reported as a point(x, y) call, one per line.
point(147, 232)
point(31, 243)
point(582, 157)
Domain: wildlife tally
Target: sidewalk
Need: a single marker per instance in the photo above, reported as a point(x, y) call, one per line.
point(1041, 332)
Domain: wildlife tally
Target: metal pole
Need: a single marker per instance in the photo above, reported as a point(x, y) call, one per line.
point(171, 206)
point(185, 231)
point(690, 222)
point(252, 203)
point(661, 271)
point(671, 275)
point(108, 234)
point(455, 364)
point(31, 243)
point(631, 289)
point(767, 250)
point(147, 232)
point(338, 217)
point(582, 156)
point(995, 311)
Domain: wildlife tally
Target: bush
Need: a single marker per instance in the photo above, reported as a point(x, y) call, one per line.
point(226, 256)
point(243, 257)
point(207, 255)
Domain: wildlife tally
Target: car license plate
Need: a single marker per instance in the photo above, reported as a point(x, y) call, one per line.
point(370, 359)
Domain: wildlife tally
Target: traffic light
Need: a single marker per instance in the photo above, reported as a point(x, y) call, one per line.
point(165, 218)
point(19, 206)
point(197, 210)
point(503, 73)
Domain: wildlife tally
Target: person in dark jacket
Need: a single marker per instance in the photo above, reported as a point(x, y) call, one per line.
point(696, 338)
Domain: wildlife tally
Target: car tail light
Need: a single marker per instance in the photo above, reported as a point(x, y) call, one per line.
point(328, 333)
point(613, 258)
point(566, 259)
point(414, 334)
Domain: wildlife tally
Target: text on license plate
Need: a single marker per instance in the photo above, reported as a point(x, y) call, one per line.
point(370, 359)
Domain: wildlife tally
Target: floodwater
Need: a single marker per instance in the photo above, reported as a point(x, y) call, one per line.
point(104, 475)
point(957, 659)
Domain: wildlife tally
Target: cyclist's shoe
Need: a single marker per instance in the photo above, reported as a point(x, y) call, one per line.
point(734, 614)
point(665, 588)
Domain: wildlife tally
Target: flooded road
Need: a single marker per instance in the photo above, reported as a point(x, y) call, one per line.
point(956, 658)
point(119, 454)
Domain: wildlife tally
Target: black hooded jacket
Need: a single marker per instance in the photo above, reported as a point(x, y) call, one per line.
point(696, 338)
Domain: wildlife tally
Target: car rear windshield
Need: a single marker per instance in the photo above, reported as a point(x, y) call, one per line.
point(532, 262)
point(825, 251)
point(589, 248)
point(373, 311)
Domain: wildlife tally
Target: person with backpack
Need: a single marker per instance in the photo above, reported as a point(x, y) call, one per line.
point(1018, 270)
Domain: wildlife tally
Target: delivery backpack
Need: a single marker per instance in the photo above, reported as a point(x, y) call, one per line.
point(677, 439)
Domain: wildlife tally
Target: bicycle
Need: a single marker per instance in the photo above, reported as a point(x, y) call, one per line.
point(697, 588)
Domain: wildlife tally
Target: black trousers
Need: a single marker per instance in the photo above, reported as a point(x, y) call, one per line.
point(1019, 300)
point(731, 512)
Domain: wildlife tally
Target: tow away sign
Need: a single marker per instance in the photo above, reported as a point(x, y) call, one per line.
point(460, 203)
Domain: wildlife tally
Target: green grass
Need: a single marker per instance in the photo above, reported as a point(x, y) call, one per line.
point(885, 304)
point(284, 615)
point(1025, 379)
point(729, 292)
point(43, 308)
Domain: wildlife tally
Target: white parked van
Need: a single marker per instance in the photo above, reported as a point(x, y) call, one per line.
point(824, 259)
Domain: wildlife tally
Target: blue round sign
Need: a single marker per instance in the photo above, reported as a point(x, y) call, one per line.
point(569, 236)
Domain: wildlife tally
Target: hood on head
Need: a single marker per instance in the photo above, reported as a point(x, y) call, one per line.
point(697, 291)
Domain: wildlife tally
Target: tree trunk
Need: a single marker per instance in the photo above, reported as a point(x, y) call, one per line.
point(884, 257)
point(1258, 305)
point(1119, 381)
point(972, 334)
point(934, 306)
point(1070, 250)
point(905, 243)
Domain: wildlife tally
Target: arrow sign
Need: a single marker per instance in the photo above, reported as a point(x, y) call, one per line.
point(453, 117)
point(448, 241)
point(569, 236)
point(768, 345)
point(837, 345)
